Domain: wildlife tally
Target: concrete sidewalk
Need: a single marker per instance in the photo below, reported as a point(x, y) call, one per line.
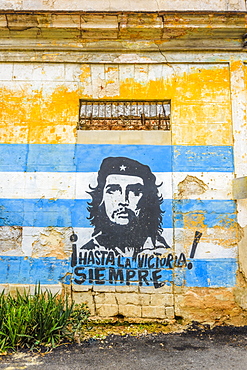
point(218, 349)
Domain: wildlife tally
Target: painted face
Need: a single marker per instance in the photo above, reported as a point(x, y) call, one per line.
point(121, 197)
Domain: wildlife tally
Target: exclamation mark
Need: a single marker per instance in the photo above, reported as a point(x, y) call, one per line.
point(74, 238)
point(194, 246)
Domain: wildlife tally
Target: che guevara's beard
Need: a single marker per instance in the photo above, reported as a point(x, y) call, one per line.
point(114, 236)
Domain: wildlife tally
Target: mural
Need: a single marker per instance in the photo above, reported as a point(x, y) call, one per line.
point(127, 245)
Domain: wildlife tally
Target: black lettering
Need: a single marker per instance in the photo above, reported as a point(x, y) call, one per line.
point(90, 258)
point(169, 260)
point(156, 277)
point(82, 260)
point(110, 258)
point(141, 260)
point(127, 263)
point(118, 262)
point(116, 275)
point(82, 275)
point(142, 275)
point(129, 275)
point(96, 255)
point(146, 257)
point(163, 262)
point(176, 260)
point(90, 276)
point(73, 237)
point(99, 275)
point(103, 257)
point(150, 266)
point(74, 255)
point(182, 260)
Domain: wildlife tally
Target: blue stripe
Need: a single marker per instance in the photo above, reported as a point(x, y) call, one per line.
point(51, 158)
point(49, 270)
point(208, 213)
point(157, 157)
point(73, 213)
point(26, 270)
point(211, 273)
point(13, 157)
point(204, 273)
point(202, 158)
point(56, 213)
point(87, 158)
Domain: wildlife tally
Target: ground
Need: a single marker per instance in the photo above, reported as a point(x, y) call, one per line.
point(196, 348)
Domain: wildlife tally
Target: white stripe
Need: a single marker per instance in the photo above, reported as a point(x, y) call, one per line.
point(55, 241)
point(57, 185)
point(214, 243)
point(66, 185)
point(202, 185)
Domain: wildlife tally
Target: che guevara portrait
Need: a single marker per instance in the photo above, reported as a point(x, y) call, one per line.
point(125, 210)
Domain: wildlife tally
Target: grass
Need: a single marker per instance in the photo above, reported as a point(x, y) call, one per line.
point(40, 319)
point(100, 329)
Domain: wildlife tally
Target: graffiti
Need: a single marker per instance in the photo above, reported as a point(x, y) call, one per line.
point(127, 245)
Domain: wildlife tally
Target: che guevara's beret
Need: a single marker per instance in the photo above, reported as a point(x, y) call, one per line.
point(124, 166)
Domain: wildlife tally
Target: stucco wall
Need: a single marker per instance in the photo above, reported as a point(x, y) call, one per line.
point(139, 5)
point(195, 263)
point(46, 168)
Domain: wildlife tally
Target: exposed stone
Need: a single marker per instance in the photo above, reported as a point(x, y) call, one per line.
point(129, 310)
point(162, 300)
point(81, 288)
point(240, 295)
point(104, 288)
point(126, 298)
point(85, 297)
point(191, 185)
point(153, 312)
point(107, 310)
point(127, 288)
point(10, 241)
point(170, 312)
point(105, 298)
point(152, 289)
point(52, 242)
point(145, 299)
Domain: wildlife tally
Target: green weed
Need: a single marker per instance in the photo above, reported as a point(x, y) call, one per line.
point(39, 319)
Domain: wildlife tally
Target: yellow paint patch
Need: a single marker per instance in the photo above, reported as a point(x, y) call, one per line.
point(200, 102)
point(30, 117)
point(200, 99)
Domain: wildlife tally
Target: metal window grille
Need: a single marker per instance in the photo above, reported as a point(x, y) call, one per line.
point(124, 115)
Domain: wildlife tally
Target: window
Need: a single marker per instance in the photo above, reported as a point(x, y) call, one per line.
point(124, 115)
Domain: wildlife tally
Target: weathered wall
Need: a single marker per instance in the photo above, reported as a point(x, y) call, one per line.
point(47, 166)
point(111, 5)
point(45, 178)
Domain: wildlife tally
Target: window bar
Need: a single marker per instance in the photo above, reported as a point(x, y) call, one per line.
point(110, 116)
point(128, 114)
point(164, 111)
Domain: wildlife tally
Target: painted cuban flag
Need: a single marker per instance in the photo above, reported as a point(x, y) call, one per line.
point(47, 208)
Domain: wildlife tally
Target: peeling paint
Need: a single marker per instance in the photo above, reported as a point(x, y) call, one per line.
point(52, 242)
point(191, 185)
point(11, 241)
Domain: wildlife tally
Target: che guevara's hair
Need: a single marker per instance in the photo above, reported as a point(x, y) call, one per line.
point(150, 216)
